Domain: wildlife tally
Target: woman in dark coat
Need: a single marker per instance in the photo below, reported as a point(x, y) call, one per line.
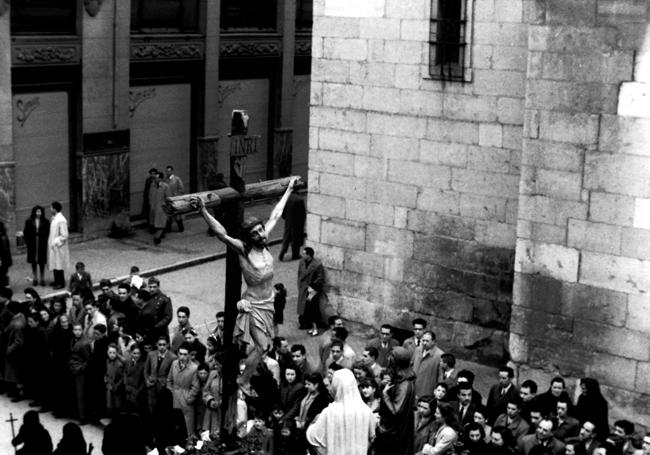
point(35, 232)
point(36, 439)
point(72, 442)
point(395, 432)
point(62, 381)
point(593, 407)
point(5, 256)
point(37, 361)
point(292, 391)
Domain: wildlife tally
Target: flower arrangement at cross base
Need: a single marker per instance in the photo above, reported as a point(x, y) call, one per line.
point(211, 444)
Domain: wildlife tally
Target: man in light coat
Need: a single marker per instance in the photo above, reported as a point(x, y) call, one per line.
point(183, 382)
point(58, 254)
point(426, 365)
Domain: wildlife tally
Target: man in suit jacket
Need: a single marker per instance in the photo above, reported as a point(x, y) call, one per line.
point(501, 393)
point(464, 407)
point(587, 442)
point(384, 344)
point(542, 437)
point(413, 342)
point(426, 364)
point(448, 371)
point(156, 370)
point(565, 425)
point(299, 357)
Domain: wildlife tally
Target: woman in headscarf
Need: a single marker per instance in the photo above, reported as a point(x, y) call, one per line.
point(395, 433)
point(72, 442)
point(593, 407)
point(34, 437)
point(346, 426)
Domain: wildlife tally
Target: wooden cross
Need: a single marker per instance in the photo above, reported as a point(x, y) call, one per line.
point(231, 201)
point(11, 420)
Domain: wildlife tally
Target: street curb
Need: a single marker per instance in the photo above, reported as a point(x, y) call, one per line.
point(158, 270)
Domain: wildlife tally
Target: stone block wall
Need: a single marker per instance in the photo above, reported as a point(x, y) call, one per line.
point(582, 255)
point(414, 183)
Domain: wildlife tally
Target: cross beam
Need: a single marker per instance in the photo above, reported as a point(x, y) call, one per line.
point(179, 205)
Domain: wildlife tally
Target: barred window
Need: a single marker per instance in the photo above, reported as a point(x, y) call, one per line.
point(449, 40)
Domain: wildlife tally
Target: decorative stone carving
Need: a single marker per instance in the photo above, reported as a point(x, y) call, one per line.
point(24, 109)
point(93, 7)
point(137, 97)
point(303, 47)
point(38, 54)
point(250, 48)
point(105, 186)
point(167, 51)
point(225, 90)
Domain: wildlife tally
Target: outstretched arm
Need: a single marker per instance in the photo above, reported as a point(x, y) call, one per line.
point(217, 227)
point(279, 208)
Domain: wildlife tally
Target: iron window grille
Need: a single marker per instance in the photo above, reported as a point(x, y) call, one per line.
point(164, 16)
point(449, 40)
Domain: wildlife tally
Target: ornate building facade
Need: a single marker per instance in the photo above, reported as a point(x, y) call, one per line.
point(484, 164)
point(95, 93)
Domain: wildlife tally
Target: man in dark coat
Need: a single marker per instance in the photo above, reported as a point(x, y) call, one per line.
point(294, 215)
point(79, 357)
point(162, 305)
point(502, 393)
point(156, 370)
point(146, 203)
point(311, 280)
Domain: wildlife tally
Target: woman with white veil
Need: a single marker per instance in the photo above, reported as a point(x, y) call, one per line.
point(346, 426)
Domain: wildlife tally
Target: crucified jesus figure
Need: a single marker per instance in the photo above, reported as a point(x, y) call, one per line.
point(254, 325)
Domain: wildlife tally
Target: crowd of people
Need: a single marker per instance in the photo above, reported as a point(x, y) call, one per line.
point(119, 354)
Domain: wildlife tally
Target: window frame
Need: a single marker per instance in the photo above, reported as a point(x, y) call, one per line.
point(455, 72)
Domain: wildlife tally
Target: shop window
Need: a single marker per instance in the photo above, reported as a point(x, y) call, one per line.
point(164, 16)
point(43, 17)
point(304, 13)
point(248, 15)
